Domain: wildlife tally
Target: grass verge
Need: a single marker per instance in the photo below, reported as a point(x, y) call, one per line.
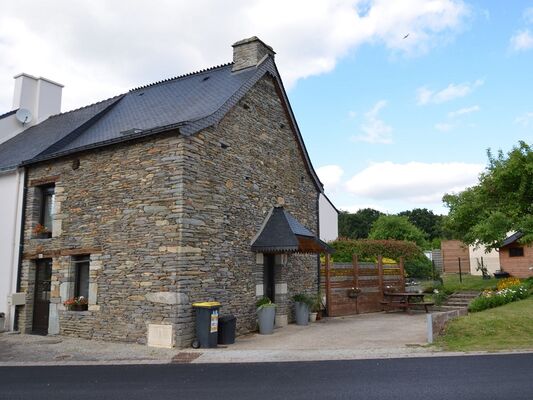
point(508, 327)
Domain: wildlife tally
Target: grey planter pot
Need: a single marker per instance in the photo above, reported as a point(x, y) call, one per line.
point(302, 313)
point(266, 317)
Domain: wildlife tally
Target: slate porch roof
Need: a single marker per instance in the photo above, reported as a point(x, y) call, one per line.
point(188, 103)
point(282, 233)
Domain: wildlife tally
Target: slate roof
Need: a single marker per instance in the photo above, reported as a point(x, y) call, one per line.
point(511, 239)
point(36, 139)
point(189, 103)
point(7, 114)
point(282, 233)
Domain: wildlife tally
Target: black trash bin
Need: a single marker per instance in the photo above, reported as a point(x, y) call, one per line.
point(206, 324)
point(226, 329)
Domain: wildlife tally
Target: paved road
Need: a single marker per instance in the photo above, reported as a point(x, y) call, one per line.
point(473, 377)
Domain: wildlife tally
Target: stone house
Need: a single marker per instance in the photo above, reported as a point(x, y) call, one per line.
point(516, 258)
point(195, 188)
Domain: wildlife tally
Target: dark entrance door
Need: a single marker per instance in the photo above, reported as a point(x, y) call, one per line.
point(41, 304)
point(268, 277)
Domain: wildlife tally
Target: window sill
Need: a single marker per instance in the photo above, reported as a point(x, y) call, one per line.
point(80, 313)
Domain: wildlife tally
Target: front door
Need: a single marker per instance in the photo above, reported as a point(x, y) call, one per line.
point(41, 304)
point(268, 277)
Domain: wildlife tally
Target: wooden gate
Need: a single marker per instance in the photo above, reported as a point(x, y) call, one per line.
point(357, 287)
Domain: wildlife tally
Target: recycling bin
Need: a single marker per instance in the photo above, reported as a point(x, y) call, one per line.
point(206, 324)
point(226, 329)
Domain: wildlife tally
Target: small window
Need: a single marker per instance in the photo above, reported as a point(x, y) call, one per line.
point(47, 210)
point(81, 276)
point(516, 252)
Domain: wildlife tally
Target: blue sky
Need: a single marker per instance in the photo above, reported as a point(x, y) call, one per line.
point(494, 110)
point(390, 123)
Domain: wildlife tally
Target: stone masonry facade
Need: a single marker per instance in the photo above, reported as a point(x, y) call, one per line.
point(168, 220)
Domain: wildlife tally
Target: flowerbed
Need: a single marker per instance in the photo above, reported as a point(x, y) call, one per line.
point(491, 298)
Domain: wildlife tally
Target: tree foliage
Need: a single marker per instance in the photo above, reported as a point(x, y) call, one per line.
point(425, 220)
point(397, 228)
point(417, 265)
point(501, 202)
point(357, 225)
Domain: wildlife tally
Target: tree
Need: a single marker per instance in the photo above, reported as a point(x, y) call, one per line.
point(357, 225)
point(398, 228)
point(500, 203)
point(425, 220)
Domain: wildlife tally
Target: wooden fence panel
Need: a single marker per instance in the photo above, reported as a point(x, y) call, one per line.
point(371, 279)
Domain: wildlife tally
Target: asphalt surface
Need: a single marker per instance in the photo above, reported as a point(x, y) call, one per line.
point(466, 377)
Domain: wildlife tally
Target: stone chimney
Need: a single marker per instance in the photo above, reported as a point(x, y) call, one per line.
point(249, 53)
point(41, 96)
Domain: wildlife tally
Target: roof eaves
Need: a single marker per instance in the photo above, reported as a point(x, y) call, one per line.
point(7, 114)
point(125, 138)
point(513, 238)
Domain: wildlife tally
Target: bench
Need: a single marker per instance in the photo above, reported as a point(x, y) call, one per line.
point(403, 301)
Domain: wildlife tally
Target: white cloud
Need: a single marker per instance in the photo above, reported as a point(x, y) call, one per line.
point(415, 182)
point(443, 126)
point(522, 41)
point(352, 114)
point(452, 91)
point(100, 48)
point(330, 176)
point(463, 111)
point(375, 130)
point(524, 119)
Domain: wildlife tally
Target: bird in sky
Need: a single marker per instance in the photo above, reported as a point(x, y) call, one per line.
point(406, 36)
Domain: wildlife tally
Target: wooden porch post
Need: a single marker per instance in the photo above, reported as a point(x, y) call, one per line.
point(355, 263)
point(380, 273)
point(402, 274)
point(328, 286)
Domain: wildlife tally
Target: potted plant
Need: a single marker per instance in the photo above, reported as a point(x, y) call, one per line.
point(301, 308)
point(266, 315)
point(316, 306)
point(353, 292)
point(41, 232)
point(77, 304)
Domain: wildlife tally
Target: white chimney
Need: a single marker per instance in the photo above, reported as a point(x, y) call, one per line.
point(40, 96)
point(249, 53)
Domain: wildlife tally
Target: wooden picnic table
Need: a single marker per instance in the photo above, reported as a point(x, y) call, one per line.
point(405, 300)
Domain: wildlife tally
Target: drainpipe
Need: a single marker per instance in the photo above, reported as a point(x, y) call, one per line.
point(318, 235)
point(21, 240)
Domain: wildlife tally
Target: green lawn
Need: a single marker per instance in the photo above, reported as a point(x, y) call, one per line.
point(507, 327)
point(470, 282)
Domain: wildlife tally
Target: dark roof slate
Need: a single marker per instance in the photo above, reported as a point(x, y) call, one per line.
point(190, 102)
point(36, 139)
point(280, 233)
point(7, 114)
point(513, 238)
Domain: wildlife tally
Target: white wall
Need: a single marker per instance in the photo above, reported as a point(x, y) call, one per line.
point(9, 127)
point(11, 189)
point(490, 260)
point(328, 219)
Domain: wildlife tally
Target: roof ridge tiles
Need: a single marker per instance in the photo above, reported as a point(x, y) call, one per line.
point(180, 76)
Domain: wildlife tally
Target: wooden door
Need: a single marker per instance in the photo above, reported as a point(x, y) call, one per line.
point(268, 277)
point(41, 304)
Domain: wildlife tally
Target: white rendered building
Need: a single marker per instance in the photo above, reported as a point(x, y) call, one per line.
point(34, 100)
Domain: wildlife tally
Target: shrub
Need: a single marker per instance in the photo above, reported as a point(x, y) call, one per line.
point(490, 299)
point(508, 282)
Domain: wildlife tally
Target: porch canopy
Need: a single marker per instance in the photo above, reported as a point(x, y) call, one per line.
point(282, 233)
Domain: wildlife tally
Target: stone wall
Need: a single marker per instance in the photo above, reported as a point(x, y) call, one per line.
point(236, 172)
point(168, 220)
